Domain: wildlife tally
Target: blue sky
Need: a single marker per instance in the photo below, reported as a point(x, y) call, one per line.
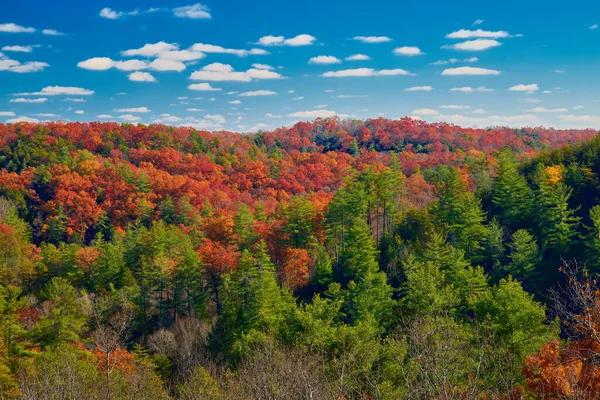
point(244, 66)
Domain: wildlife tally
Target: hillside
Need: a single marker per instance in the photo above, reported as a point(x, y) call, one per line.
point(345, 259)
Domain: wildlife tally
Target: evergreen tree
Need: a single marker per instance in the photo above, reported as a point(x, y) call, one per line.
point(511, 195)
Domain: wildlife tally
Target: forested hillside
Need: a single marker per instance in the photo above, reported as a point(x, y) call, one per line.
point(383, 259)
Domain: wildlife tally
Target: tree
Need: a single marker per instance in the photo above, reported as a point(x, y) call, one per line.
point(65, 317)
point(511, 194)
point(524, 254)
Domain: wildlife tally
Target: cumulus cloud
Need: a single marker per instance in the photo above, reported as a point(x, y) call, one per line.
point(79, 112)
point(424, 111)
point(581, 121)
point(314, 114)
point(141, 77)
point(22, 119)
point(52, 32)
point(578, 107)
point(255, 93)
point(209, 48)
point(133, 110)
point(300, 40)
point(493, 120)
point(195, 11)
point(20, 49)
point(269, 115)
point(455, 60)
point(205, 87)
point(478, 111)
point(455, 107)
point(358, 57)
point(408, 51)
point(58, 91)
point(105, 63)
point(372, 39)
point(104, 116)
point(548, 110)
point(24, 100)
point(350, 96)
point(8, 64)
point(524, 88)
point(469, 89)
point(263, 66)
point(7, 114)
point(419, 89)
point(362, 72)
point(474, 45)
point(479, 33)
point(594, 27)
point(129, 118)
point(324, 60)
point(470, 71)
point(14, 28)
point(218, 72)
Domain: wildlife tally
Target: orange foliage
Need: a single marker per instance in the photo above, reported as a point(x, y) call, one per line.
point(295, 271)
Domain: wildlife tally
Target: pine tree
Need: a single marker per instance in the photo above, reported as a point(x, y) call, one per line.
point(524, 254)
point(512, 196)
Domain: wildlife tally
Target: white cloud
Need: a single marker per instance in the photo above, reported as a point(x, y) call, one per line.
point(79, 112)
point(424, 111)
point(58, 91)
point(419, 89)
point(493, 120)
point(141, 77)
point(8, 64)
point(14, 28)
point(7, 114)
point(133, 110)
point(129, 117)
point(479, 33)
point(548, 110)
point(166, 118)
point(21, 119)
point(52, 32)
point(110, 13)
point(104, 116)
point(46, 115)
point(269, 115)
point(314, 114)
point(469, 89)
point(205, 87)
point(151, 49)
point(524, 88)
point(578, 107)
point(350, 96)
point(593, 27)
point(583, 121)
point(474, 45)
point(234, 102)
point(300, 40)
point(195, 11)
point(478, 111)
point(209, 48)
point(218, 72)
point(532, 100)
point(470, 71)
point(215, 117)
point(24, 100)
point(258, 93)
point(263, 66)
point(372, 39)
point(455, 60)
point(324, 60)
point(358, 57)
point(298, 98)
point(20, 49)
point(195, 110)
point(408, 51)
point(455, 107)
point(364, 72)
point(560, 71)
point(478, 22)
point(167, 65)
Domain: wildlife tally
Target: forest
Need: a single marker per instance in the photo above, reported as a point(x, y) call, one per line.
point(333, 259)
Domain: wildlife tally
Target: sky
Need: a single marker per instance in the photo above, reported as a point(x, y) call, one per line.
point(249, 65)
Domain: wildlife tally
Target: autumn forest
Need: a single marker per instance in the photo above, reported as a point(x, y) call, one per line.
point(334, 259)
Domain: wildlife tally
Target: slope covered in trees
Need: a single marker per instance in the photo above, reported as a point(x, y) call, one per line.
point(334, 259)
